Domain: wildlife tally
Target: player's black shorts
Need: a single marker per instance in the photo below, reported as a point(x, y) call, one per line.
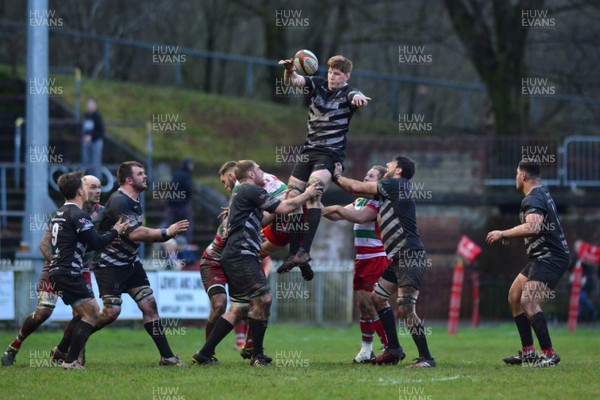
point(407, 268)
point(72, 288)
point(113, 281)
point(314, 160)
point(245, 278)
point(546, 270)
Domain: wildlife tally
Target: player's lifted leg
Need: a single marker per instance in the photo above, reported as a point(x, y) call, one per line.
point(333, 103)
point(313, 216)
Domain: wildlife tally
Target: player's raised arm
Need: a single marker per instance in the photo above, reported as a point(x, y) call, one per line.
point(355, 188)
point(357, 99)
point(91, 237)
point(290, 77)
point(362, 216)
point(331, 213)
point(150, 235)
point(289, 205)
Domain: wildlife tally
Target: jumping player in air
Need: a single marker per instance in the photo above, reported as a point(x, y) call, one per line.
point(398, 226)
point(332, 104)
point(549, 258)
point(369, 264)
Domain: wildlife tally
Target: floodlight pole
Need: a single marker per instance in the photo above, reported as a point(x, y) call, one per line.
point(37, 201)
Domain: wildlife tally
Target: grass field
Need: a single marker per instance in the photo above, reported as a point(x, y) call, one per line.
point(309, 363)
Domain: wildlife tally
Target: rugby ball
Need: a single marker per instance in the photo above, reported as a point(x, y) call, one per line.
point(306, 62)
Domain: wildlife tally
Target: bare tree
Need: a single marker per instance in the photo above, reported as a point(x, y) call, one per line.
point(494, 39)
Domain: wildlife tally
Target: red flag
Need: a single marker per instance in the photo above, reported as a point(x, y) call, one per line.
point(468, 249)
point(588, 252)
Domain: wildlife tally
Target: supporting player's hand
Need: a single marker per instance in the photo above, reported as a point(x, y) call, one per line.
point(224, 213)
point(330, 213)
point(338, 169)
point(360, 101)
point(121, 226)
point(315, 190)
point(179, 227)
point(288, 64)
point(493, 237)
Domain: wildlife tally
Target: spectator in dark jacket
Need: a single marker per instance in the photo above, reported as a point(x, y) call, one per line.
point(93, 139)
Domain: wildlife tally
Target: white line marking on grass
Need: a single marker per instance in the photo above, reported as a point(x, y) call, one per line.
point(440, 379)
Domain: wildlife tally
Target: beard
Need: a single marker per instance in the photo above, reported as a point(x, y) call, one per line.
point(140, 186)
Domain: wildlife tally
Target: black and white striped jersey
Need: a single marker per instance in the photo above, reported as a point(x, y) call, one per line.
point(122, 251)
point(329, 115)
point(71, 232)
point(246, 208)
point(397, 216)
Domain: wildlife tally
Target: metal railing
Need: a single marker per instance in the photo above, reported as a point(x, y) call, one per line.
point(580, 164)
point(4, 211)
point(572, 162)
point(109, 179)
point(463, 107)
point(328, 298)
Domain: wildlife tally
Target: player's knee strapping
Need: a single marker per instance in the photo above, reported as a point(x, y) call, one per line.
point(215, 289)
point(46, 300)
point(406, 306)
point(143, 295)
point(406, 301)
point(381, 292)
point(111, 301)
point(292, 188)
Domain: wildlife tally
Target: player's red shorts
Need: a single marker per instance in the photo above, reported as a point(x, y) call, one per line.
point(278, 238)
point(213, 277)
point(367, 272)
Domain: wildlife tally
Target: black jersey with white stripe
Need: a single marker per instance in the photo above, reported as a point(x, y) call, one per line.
point(397, 216)
point(550, 241)
point(121, 252)
point(329, 115)
point(71, 231)
point(246, 206)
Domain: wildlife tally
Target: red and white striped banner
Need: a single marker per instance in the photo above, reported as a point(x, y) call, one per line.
point(574, 300)
point(455, 294)
point(475, 316)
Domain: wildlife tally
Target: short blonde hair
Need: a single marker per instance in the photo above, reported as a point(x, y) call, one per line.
point(381, 170)
point(341, 63)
